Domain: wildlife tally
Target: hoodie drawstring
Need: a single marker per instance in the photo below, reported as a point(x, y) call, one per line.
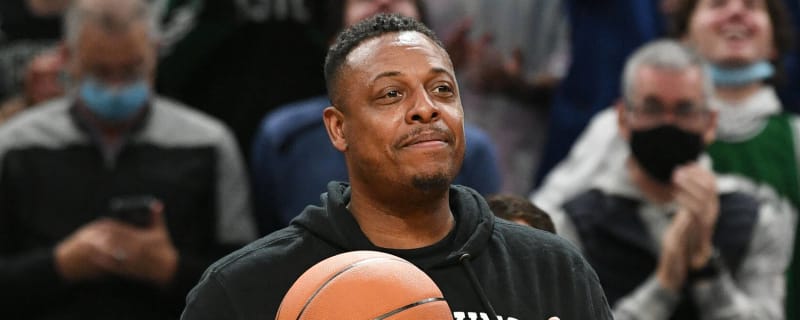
point(477, 285)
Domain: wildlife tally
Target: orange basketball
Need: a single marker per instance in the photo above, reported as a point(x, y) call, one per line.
point(362, 285)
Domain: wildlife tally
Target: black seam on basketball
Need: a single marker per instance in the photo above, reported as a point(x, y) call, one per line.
point(324, 284)
point(408, 306)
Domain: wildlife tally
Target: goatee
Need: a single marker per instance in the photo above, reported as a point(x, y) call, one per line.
point(436, 182)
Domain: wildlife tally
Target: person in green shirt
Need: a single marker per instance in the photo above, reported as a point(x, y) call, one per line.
point(743, 42)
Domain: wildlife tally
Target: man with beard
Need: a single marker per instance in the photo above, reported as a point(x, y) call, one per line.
point(667, 237)
point(292, 159)
point(398, 119)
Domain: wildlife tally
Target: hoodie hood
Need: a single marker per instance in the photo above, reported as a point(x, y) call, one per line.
point(335, 224)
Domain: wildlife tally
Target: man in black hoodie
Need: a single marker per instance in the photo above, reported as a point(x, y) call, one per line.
point(397, 117)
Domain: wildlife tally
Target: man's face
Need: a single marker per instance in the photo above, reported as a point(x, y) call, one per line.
point(42, 77)
point(357, 10)
point(399, 118)
point(665, 96)
point(731, 32)
point(114, 58)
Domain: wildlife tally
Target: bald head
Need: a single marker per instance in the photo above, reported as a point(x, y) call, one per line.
point(112, 16)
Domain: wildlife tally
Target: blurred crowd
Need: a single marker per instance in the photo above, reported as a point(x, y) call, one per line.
point(212, 109)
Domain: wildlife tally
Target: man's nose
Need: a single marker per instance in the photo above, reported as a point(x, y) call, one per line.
point(668, 117)
point(735, 7)
point(383, 6)
point(423, 109)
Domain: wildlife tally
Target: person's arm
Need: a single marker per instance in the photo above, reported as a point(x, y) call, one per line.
point(28, 277)
point(649, 298)
point(659, 294)
point(757, 289)
point(209, 300)
point(589, 300)
point(25, 276)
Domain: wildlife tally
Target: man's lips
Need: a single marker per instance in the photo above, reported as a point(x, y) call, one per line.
point(425, 137)
point(426, 140)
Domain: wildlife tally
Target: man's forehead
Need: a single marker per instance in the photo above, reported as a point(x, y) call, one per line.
point(664, 83)
point(411, 40)
point(666, 78)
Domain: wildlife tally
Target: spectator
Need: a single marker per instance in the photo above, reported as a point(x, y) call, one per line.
point(509, 55)
point(517, 209)
point(42, 82)
point(27, 28)
point(292, 158)
point(63, 252)
point(744, 42)
point(667, 237)
point(397, 118)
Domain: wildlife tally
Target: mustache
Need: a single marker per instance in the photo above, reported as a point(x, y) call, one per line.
point(434, 131)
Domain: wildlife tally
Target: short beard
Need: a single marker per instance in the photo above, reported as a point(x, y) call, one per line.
point(436, 182)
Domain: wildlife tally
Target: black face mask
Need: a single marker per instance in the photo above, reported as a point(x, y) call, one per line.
point(661, 149)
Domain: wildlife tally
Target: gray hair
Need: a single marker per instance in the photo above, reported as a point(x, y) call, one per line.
point(664, 54)
point(111, 15)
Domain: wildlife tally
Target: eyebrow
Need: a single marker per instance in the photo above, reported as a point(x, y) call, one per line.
point(435, 70)
point(387, 74)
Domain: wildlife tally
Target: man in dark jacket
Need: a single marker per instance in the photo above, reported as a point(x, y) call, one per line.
point(397, 117)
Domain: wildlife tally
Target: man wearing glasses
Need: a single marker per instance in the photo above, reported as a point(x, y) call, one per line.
point(667, 237)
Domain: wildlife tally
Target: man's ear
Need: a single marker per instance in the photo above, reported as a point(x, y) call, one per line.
point(623, 125)
point(334, 124)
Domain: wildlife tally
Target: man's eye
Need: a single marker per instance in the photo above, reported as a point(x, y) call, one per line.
point(389, 96)
point(443, 89)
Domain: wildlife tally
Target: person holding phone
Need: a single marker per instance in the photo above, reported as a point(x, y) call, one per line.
point(114, 200)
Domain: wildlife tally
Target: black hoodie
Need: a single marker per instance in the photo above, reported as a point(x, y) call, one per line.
point(484, 266)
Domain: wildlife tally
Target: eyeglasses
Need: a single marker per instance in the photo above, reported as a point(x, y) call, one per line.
point(685, 115)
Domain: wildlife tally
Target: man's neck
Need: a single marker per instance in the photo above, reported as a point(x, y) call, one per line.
point(737, 94)
point(652, 190)
point(406, 225)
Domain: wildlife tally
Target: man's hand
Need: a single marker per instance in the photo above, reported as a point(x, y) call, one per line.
point(486, 67)
point(107, 246)
point(673, 262)
point(696, 192)
point(81, 256)
point(143, 253)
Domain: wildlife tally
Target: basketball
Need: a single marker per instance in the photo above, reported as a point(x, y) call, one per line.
point(364, 285)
